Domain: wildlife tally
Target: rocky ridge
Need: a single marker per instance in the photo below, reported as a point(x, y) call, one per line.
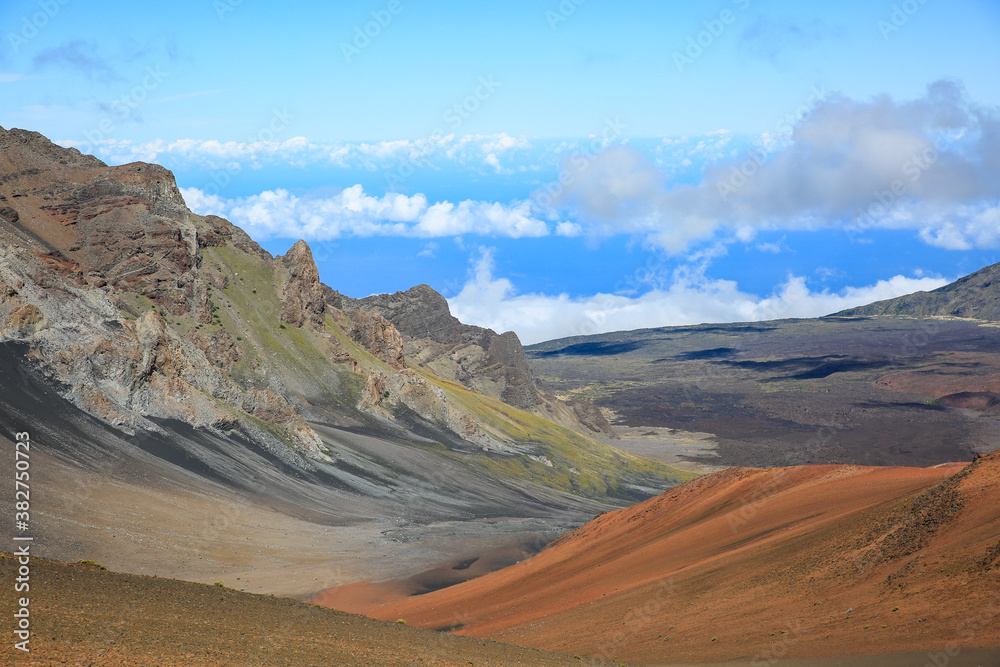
point(975, 296)
point(480, 359)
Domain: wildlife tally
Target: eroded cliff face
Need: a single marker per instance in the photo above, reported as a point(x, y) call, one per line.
point(378, 336)
point(101, 272)
point(299, 288)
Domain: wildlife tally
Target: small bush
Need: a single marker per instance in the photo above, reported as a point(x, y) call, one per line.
point(92, 563)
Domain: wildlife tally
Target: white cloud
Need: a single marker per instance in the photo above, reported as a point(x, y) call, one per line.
point(870, 164)
point(429, 250)
point(300, 151)
point(691, 298)
point(946, 236)
point(776, 248)
point(568, 229)
point(204, 204)
point(351, 212)
point(499, 143)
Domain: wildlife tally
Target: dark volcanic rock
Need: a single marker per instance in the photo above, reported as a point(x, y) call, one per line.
point(479, 357)
point(420, 312)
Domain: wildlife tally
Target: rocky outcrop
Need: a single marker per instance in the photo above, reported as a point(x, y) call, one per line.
point(94, 225)
point(376, 388)
point(420, 313)
point(378, 336)
point(299, 287)
point(480, 359)
point(85, 250)
point(510, 367)
point(219, 347)
point(24, 321)
point(214, 232)
point(23, 151)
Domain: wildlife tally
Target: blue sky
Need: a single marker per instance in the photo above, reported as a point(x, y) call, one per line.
point(555, 168)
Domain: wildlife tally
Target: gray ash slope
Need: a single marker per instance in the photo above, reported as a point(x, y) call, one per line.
point(364, 484)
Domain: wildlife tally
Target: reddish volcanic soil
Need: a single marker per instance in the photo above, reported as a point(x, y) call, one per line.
point(752, 564)
point(956, 373)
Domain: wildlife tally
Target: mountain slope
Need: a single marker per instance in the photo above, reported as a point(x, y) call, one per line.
point(788, 562)
point(138, 310)
point(82, 615)
point(202, 410)
point(976, 296)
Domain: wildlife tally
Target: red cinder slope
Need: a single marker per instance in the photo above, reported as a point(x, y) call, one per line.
point(804, 561)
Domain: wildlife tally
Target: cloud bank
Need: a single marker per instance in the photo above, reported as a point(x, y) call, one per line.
point(351, 212)
point(489, 153)
point(690, 298)
point(931, 165)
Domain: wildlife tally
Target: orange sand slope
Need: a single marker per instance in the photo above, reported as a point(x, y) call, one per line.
point(754, 565)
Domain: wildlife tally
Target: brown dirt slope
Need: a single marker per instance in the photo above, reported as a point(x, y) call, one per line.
point(85, 616)
point(756, 564)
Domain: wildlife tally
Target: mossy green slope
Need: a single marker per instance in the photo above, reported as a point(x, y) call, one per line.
point(579, 464)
